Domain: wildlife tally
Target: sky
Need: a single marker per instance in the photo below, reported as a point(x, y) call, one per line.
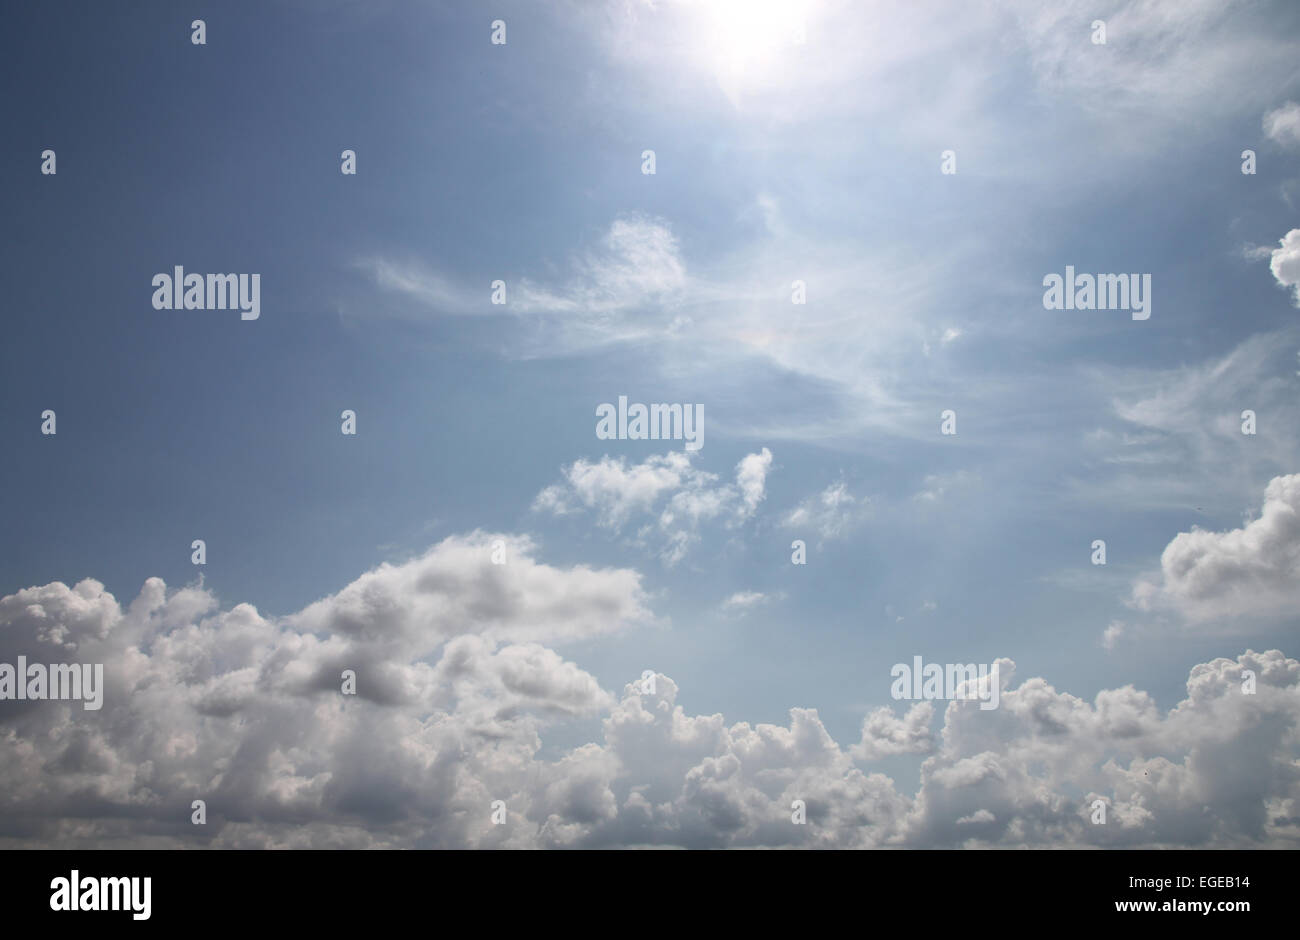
point(611, 637)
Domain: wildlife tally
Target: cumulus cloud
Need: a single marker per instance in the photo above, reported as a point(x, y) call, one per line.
point(832, 513)
point(1254, 570)
point(1283, 124)
point(680, 496)
point(751, 478)
point(884, 734)
point(1284, 262)
point(1170, 779)
point(450, 590)
point(245, 712)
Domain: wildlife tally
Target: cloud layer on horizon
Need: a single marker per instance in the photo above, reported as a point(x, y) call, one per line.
point(456, 684)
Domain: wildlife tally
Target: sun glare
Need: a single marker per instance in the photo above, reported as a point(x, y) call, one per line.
point(747, 40)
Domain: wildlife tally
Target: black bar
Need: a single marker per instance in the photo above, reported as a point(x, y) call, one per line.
point(957, 890)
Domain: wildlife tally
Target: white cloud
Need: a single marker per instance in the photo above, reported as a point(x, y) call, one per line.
point(429, 288)
point(245, 712)
point(1194, 49)
point(937, 485)
point(454, 589)
point(1283, 124)
point(1254, 570)
point(1284, 262)
point(747, 600)
point(683, 496)
point(639, 261)
point(832, 513)
point(1171, 779)
point(1196, 56)
point(693, 305)
point(751, 477)
point(884, 735)
point(616, 490)
point(626, 287)
point(1189, 418)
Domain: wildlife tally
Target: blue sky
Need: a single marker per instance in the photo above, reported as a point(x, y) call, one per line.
point(775, 162)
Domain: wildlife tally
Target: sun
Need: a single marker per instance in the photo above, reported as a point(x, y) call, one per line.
point(746, 40)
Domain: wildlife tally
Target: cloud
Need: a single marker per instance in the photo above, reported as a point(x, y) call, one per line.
point(638, 262)
point(1111, 635)
point(1168, 780)
point(1189, 420)
point(746, 600)
point(1198, 56)
point(1284, 262)
point(454, 589)
point(682, 496)
point(616, 490)
point(1195, 49)
point(1250, 571)
point(937, 485)
point(429, 288)
point(221, 705)
point(833, 513)
point(884, 735)
point(628, 286)
point(246, 712)
point(751, 477)
point(687, 301)
point(1283, 124)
